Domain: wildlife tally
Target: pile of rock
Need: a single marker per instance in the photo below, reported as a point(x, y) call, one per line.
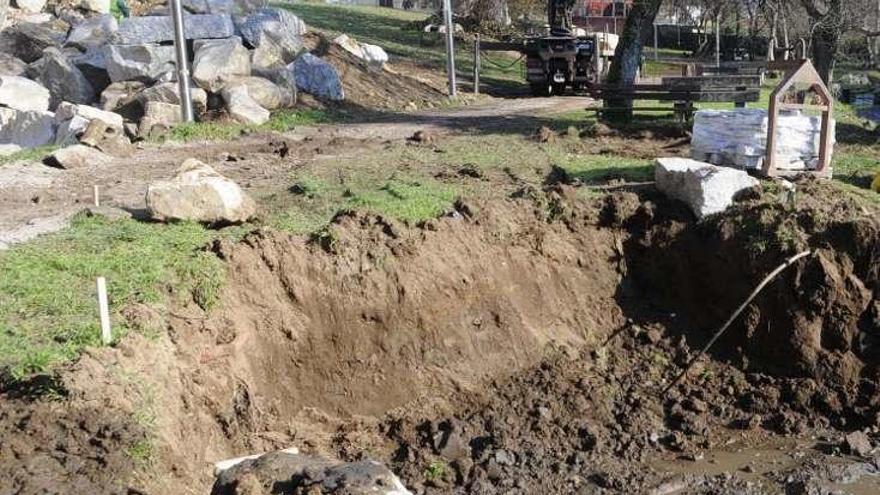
point(738, 138)
point(60, 72)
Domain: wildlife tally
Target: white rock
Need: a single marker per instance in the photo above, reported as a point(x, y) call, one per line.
point(11, 66)
point(169, 92)
point(100, 6)
point(158, 118)
point(28, 129)
point(93, 32)
point(242, 107)
point(266, 93)
point(32, 6)
point(145, 63)
point(23, 94)
point(67, 111)
point(199, 193)
point(218, 61)
point(77, 156)
point(706, 188)
point(375, 55)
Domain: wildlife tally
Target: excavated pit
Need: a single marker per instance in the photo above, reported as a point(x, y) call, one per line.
point(520, 343)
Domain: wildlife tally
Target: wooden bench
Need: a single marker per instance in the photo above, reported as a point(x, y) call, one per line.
point(683, 92)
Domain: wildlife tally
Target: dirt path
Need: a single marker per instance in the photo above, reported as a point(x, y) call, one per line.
point(36, 199)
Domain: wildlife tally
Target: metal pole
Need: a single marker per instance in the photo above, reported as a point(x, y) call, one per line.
point(186, 112)
point(718, 40)
point(477, 65)
point(450, 56)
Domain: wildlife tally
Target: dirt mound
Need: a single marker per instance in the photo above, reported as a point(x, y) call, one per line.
point(369, 88)
point(819, 321)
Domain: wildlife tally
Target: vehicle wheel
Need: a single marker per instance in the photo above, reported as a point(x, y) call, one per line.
point(540, 89)
point(558, 89)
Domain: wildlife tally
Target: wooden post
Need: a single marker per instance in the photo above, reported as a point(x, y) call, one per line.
point(96, 195)
point(104, 311)
point(477, 65)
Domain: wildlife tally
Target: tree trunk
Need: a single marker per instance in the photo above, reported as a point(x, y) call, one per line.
point(824, 52)
point(628, 54)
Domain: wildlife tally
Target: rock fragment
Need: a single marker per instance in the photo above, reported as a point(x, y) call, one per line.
point(706, 188)
point(198, 193)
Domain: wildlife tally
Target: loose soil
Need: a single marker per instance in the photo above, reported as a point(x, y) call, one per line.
point(513, 345)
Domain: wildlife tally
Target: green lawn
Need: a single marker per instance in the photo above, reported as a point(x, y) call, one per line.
point(47, 287)
point(400, 34)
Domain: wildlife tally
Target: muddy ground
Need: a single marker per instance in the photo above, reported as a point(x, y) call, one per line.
point(520, 342)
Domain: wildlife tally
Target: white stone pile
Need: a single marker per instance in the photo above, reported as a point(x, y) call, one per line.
point(73, 64)
point(738, 138)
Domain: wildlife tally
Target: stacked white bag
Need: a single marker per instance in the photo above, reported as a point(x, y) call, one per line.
point(738, 138)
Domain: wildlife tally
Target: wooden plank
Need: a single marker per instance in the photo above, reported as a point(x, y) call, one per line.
point(802, 106)
point(710, 82)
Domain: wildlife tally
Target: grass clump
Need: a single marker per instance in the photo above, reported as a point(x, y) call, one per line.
point(281, 121)
point(600, 168)
point(48, 312)
point(28, 154)
point(414, 201)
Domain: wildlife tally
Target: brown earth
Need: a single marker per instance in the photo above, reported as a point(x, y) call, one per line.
point(510, 346)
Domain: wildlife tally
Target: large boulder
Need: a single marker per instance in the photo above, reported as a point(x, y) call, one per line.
point(242, 107)
point(156, 29)
point(145, 63)
point(27, 40)
point(28, 129)
point(169, 92)
point(119, 94)
point(11, 66)
point(73, 120)
point(30, 6)
point(158, 118)
point(209, 6)
point(23, 94)
point(93, 64)
point(62, 78)
point(374, 55)
point(76, 156)
point(317, 77)
point(198, 193)
point(279, 28)
point(218, 61)
point(93, 32)
point(300, 473)
point(266, 93)
point(99, 6)
point(706, 188)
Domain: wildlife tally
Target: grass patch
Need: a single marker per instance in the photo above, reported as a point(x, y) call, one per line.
point(411, 201)
point(602, 168)
point(281, 121)
point(28, 154)
point(48, 312)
